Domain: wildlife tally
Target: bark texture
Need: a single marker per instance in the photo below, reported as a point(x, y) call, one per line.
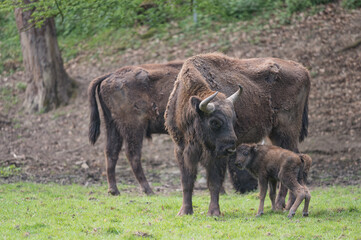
point(48, 84)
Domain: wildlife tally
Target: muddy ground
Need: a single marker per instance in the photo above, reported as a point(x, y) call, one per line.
point(53, 147)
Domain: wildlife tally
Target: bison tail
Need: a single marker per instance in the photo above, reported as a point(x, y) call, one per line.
point(306, 165)
point(94, 124)
point(304, 129)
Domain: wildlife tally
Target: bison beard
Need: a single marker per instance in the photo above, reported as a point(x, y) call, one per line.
point(273, 104)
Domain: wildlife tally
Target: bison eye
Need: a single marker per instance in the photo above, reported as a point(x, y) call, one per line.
point(215, 124)
point(245, 153)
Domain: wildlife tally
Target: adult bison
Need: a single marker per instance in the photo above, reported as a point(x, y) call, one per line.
point(219, 102)
point(133, 101)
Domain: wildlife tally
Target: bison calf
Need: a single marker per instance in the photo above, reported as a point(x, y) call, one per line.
point(270, 164)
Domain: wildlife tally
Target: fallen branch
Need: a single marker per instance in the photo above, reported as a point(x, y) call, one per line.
point(72, 150)
point(350, 46)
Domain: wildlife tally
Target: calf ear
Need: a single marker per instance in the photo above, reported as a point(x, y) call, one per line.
point(195, 101)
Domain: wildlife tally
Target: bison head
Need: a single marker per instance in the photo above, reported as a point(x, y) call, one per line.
point(214, 123)
point(245, 155)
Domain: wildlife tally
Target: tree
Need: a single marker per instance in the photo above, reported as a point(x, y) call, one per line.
point(48, 83)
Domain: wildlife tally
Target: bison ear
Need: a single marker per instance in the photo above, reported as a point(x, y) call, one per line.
point(195, 101)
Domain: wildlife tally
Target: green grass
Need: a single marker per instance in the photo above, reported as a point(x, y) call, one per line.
point(8, 97)
point(51, 211)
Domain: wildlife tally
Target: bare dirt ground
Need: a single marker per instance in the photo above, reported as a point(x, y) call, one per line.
point(54, 147)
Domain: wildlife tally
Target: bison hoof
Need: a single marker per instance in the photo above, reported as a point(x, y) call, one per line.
point(113, 191)
point(148, 192)
point(222, 191)
point(214, 212)
point(290, 215)
point(185, 211)
point(280, 205)
point(259, 214)
point(278, 208)
point(305, 214)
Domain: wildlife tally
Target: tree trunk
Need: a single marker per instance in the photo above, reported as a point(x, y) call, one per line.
point(48, 85)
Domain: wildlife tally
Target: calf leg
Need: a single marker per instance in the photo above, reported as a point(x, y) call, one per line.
point(272, 193)
point(284, 138)
point(133, 149)
point(262, 184)
point(300, 194)
point(291, 201)
point(215, 178)
point(307, 202)
point(188, 176)
point(280, 199)
point(112, 149)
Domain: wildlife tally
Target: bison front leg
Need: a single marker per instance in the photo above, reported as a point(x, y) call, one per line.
point(272, 193)
point(188, 176)
point(215, 178)
point(112, 149)
point(262, 185)
point(133, 149)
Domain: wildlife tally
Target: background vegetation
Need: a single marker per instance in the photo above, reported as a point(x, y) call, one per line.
point(85, 25)
point(77, 212)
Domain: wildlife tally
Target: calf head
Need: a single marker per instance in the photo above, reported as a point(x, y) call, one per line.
point(245, 155)
point(214, 123)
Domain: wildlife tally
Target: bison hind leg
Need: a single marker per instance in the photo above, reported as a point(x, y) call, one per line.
point(112, 149)
point(133, 148)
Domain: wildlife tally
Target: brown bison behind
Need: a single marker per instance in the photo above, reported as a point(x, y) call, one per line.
point(133, 101)
point(273, 103)
point(270, 164)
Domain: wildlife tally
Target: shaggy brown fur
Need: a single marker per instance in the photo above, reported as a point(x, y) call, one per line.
point(273, 103)
point(307, 162)
point(133, 101)
point(271, 164)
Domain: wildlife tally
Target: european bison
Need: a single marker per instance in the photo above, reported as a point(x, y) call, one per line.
point(133, 101)
point(252, 99)
point(270, 164)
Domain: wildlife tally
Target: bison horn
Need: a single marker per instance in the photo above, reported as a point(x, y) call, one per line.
point(235, 95)
point(207, 107)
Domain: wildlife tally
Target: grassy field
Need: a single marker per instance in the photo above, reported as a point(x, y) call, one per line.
point(52, 211)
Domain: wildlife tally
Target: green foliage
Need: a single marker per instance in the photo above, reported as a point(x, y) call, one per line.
point(9, 171)
point(21, 86)
point(296, 5)
point(8, 97)
point(351, 4)
point(89, 24)
point(10, 52)
point(76, 212)
point(235, 9)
